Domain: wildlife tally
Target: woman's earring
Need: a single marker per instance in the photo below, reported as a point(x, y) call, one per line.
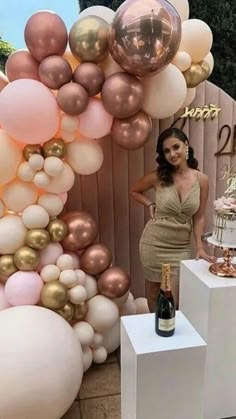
point(187, 152)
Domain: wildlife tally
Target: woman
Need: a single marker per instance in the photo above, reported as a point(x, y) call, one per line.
point(181, 196)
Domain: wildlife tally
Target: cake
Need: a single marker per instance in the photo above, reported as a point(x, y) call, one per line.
point(225, 221)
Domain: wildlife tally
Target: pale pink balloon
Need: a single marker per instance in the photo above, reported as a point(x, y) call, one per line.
point(4, 303)
point(29, 111)
point(23, 288)
point(49, 255)
point(95, 122)
point(63, 197)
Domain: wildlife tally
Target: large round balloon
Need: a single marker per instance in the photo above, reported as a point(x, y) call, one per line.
point(85, 156)
point(82, 230)
point(32, 120)
point(95, 259)
point(101, 11)
point(54, 71)
point(114, 282)
point(10, 158)
point(144, 36)
point(101, 120)
point(90, 76)
point(45, 35)
point(132, 133)
point(194, 30)
point(22, 65)
point(46, 377)
point(12, 234)
point(89, 39)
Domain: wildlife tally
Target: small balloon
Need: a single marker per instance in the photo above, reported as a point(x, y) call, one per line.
point(54, 147)
point(88, 39)
point(194, 75)
point(72, 99)
point(82, 230)
point(80, 311)
point(67, 312)
point(26, 259)
point(31, 149)
point(90, 76)
point(95, 259)
point(7, 265)
point(206, 69)
point(132, 133)
point(54, 295)
point(57, 230)
point(122, 95)
point(114, 282)
point(37, 238)
point(54, 71)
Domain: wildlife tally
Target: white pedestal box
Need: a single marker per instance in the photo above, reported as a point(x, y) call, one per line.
point(161, 377)
point(209, 303)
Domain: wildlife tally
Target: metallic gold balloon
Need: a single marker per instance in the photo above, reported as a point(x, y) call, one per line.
point(95, 259)
point(7, 265)
point(54, 295)
point(31, 149)
point(55, 71)
point(82, 230)
point(122, 95)
point(26, 259)
point(194, 75)
point(57, 230)
point(90, 76)
point(144, 36)
point(132, 133)
point(54, 147)
point(72, 99)
point(206, 69)
point(80, 311)
point(88, 39)
point(67, 312)
point(114, 282)
point(37, 238)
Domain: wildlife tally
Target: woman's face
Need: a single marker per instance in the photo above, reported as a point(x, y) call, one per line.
point(174, 151)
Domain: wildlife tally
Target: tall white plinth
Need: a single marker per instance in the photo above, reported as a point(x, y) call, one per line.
point(209, 303)
point(161, 378)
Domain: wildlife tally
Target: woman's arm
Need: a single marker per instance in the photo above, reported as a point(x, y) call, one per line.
point(142, 185)
point(199, 219)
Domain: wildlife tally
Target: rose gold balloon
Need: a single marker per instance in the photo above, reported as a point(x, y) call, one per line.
point(3, 81)
point(21, 65)
point(82, 230)
point(45, 35)
point(95, 259)
point(144, 36)
point(114, 282)
point(90, 76)
point(55, 71)
point(72, 98)
point(122, 95)
point(132, 133)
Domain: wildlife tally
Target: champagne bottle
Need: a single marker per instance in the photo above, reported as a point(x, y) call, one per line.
point(165, 306)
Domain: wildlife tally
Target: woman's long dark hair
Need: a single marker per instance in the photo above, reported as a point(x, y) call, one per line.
point(166, 170)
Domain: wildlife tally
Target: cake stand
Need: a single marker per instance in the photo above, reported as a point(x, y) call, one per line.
point(226, 269)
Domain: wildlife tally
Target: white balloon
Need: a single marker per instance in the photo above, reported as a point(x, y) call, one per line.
point(84, 332)
point(69, 123)
point(85, 156)
point(182, 8)
point(35, 216)
point(100, 11)
point(51, 203)
point(53, 166)
point(130, 296)
point(10, 158)
point(42, 366)
point(99, 355)
point(97, 340)
point(25, 172)
point(102, 313)
point(128, 308)
point(141, 305)
point(111, 340)
point(191, 93)
point(77, 294)
point(182, 60)
point(41, 179)
point(91, 286)
point(62, 183)
point(121, 300)
point(65, 262)
point(81, 277)
point(168, 83)
point(2, 209)
point(36, 161)
point(50, 254)
point(68, 137)
point(12, 234)
point(75, 258)
point(50, 273)
point(210, 60)
point(87, 358)
point(196, 39)
point(18, 195)
point(69, 278)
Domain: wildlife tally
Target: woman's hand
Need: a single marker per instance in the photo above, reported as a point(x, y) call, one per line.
point(201, 254)
point(152, 208)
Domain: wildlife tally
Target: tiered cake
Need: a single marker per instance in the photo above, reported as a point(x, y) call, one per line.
point(225, 221)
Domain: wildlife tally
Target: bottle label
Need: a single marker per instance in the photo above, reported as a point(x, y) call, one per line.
point(166, 325)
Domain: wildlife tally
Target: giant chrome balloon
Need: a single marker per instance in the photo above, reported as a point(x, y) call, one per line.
point(144, 36)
